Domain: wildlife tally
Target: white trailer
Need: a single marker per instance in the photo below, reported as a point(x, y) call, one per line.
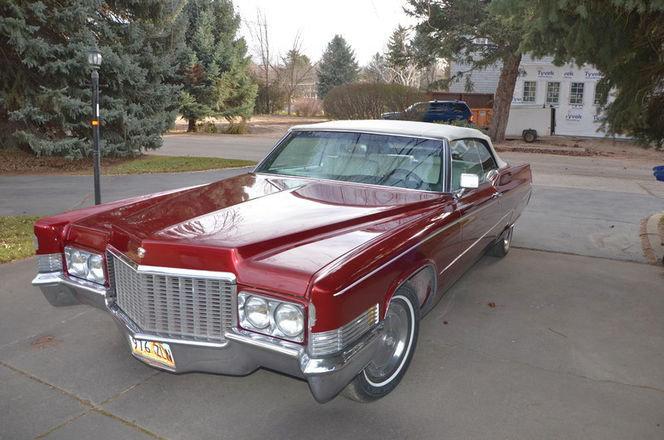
point(529, 122)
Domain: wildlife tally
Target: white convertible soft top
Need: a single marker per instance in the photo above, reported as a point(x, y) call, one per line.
point(403, 128)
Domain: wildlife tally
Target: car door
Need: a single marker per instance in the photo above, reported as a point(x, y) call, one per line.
point(480, 207)
point(511, 183)
point(503, 181)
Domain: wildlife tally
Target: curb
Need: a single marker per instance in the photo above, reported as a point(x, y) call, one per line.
point(652, 238)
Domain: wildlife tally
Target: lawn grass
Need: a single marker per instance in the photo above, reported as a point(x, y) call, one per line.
point(16, 237)
point(13, 161)
point(174, 164)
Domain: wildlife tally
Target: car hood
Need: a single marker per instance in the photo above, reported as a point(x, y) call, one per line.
point(273, 232)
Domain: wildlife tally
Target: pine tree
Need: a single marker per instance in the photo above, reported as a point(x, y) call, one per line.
point(377, 71)
point(400, 58)
point(217, 60)
point(44, 83)
point(479, 33)
point(337, 66)
point(235, 91)
point(399, 53)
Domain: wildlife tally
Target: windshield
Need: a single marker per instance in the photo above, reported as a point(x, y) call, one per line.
point(397, 161)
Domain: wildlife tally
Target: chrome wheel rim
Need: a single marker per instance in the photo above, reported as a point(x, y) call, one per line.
point(394, 345)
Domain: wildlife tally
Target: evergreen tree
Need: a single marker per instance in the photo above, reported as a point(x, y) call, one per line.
point(337, 66)
point(217, 60)
point(479, 33)
point(400, 58)
point(399, 54)
point(624, 39)
point(45, 80)
point(235, 91)
point(377, 70)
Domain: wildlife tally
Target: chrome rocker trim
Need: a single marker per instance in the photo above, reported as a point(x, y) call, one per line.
point(240, 354)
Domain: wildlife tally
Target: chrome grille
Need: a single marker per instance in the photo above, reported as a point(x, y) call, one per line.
point(173, 305)
point(333, 341)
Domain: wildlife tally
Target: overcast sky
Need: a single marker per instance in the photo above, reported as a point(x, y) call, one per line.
point(365, 24)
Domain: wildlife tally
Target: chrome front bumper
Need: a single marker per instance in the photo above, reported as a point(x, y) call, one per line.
point(240, 354)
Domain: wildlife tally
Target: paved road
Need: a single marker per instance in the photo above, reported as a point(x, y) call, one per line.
point(573, 349)
point(44, 195)
point(248, 147)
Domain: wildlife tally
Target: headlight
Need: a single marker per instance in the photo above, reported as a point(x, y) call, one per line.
point(271, 316)
point(79, 263)
point(86, 265)
point(257, 312)
point(289, 319)
point(96, 268)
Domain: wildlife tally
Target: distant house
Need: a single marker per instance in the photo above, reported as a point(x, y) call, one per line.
point(571, 90)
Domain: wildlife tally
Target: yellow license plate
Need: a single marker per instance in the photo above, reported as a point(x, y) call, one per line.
point(153, 352)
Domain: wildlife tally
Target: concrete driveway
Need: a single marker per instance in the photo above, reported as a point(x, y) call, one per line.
point(573, 348)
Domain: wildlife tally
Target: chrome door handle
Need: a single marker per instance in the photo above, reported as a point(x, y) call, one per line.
point(496, 195)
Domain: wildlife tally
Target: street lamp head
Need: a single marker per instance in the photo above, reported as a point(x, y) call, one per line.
point(94, 58)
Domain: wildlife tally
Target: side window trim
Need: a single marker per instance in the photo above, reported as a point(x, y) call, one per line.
point(469, 143)
point(483, 144)
point(480, 142)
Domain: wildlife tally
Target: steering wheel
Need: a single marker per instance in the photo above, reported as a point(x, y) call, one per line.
point(410, 179)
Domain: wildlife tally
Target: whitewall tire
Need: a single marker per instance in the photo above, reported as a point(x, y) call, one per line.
point(397, 345)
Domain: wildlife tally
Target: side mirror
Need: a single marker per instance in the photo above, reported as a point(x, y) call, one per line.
point(491, 175)
point(469, 181)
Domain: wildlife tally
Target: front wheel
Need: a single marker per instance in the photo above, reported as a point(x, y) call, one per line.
point(397, 345)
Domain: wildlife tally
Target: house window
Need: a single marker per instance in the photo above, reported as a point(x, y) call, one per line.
point(598, 93)
point(529, 91)
point(576, 94)
point(552, 92)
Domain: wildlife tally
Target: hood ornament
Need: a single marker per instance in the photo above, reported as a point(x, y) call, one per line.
point(140, 252)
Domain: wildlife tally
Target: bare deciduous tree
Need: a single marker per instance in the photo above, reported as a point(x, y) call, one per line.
point(295, 69)
point(261, 38)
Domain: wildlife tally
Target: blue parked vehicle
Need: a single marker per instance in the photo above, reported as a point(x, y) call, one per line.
point(433, 111)
point(658, 172)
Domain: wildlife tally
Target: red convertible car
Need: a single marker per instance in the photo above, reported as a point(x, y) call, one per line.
point(319, 264)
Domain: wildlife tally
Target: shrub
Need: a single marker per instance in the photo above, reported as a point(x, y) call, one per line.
point(368, 101)
point(308, 107)
point(237, 127)
point(206, 127)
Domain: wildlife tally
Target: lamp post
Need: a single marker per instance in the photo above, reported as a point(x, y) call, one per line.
point(94, 59)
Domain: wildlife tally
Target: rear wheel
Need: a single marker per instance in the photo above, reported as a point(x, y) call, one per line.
point(503, 244)
point(397, 345)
